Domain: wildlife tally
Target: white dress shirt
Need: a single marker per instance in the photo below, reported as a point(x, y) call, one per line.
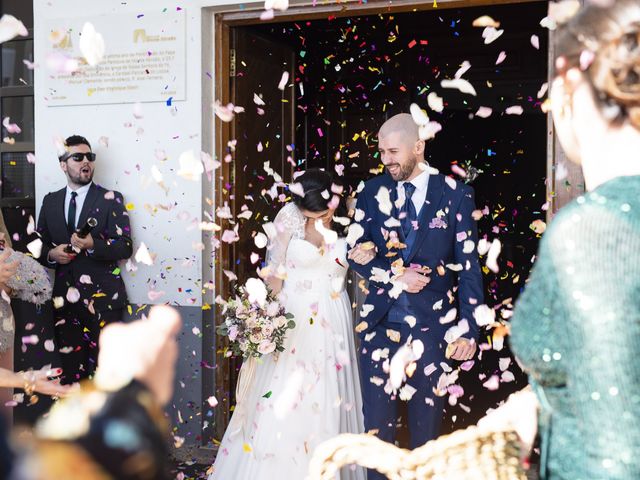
point(419, 197)
point(82, 195)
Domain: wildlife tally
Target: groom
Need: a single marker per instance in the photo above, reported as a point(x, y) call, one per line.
point(421, 225)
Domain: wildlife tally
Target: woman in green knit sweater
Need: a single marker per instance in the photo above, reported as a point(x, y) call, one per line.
point(576, 326)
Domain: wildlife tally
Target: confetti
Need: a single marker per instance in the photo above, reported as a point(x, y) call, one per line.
point(435, 102)
point(485, 21)
point(91, 44)
point(191, 167)
point(11, 27)
point(484, 112)
point(143, 255)
point(73, 295)
point(490, 35)
point(460, 84)
point(283, 80)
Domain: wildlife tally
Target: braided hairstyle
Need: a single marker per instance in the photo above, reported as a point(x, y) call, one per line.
point(603, 40)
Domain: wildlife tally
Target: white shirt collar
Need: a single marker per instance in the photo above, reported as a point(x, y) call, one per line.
point(421, 181)
point(80, 191)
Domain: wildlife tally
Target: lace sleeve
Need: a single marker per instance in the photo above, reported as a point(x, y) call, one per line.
point(288, 224)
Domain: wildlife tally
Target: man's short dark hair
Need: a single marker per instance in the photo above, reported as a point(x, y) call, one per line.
point(73, 141)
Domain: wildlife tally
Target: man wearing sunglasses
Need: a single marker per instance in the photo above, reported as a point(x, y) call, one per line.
point(88, 289)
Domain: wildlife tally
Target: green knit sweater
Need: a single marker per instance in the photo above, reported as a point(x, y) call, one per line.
point(576, 330)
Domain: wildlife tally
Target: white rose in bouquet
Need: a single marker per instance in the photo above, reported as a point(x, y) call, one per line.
point(266, 347)
point(273, 308)
point(280, 321)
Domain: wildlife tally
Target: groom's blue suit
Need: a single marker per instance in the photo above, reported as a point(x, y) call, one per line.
point(445, 223)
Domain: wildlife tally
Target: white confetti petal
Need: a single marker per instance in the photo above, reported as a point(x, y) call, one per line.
point(283, 80)
point(281, 5)
point(435, 102)
point(354, 232)
point(257, 291)
point(260, 240)
point(366, 310)
point(484, 112)
point(419, 115)
point(35, 248)
point(11, 27)
point(514, 110)
point(191, 167)
point(257, 99)
point(329, 235)
point(492, 384)
point(464, 67)
point(491, 34)
point(143, 255)
point(91, 44)
point(484, 315)
point(460, 84)
point(492, 256)
point(535, 41)
point(384, 200)
point(49, 346)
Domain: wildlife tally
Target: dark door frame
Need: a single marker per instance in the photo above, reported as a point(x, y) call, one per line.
point(216, 134)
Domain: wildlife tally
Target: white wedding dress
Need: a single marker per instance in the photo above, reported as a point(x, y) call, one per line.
point(310, 392)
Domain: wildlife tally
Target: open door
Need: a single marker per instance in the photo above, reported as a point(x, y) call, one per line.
point(264, 132)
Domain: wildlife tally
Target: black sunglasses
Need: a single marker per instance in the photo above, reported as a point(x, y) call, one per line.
point(78, 157)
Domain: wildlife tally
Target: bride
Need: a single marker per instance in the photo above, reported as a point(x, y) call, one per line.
point(310, 392)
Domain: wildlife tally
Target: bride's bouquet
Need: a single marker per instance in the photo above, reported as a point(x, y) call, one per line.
point(255, 322)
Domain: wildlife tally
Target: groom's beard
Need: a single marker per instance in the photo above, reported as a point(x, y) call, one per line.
point(405, 170)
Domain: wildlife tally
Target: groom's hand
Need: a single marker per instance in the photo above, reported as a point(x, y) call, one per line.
point(462, 349)
point(415, 280)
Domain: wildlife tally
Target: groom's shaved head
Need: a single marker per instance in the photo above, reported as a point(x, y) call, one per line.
point(402, 123)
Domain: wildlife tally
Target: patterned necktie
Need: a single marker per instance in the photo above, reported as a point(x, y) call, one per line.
point(71, 214)
point(408, 208)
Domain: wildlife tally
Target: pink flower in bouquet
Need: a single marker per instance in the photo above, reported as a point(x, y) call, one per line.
point(251, 322)
point(256, 338)
point(266, 347)
point(267, 330)
point(233, 333)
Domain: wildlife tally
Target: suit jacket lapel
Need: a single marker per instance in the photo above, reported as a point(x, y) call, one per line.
point(91, 198)
point(435, 191)
point(59, 219)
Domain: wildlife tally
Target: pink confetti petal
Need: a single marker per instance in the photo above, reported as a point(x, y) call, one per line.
point(535, 41)
point(154, 295)
point(73, 295)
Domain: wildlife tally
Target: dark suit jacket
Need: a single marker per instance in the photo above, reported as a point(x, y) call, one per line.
point(112, 242)
point(437, 245)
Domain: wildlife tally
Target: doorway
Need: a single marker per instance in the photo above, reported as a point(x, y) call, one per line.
point(349, 73)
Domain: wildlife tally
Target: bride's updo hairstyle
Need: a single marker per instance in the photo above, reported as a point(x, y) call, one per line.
point(603, 40)
point(316, 191)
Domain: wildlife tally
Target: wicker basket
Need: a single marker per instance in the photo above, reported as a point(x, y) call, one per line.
point(470, 454)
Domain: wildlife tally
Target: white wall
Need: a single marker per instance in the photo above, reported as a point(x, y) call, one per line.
point(125, 165)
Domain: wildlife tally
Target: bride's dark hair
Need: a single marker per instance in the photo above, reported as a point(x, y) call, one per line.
point(319, 188)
